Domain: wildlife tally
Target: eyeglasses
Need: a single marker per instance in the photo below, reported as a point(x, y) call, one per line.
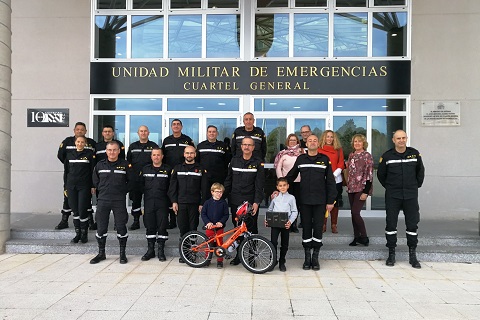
point(247, 145)
point(218, 191)
point(302, 132)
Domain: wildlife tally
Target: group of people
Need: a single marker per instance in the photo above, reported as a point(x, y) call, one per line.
point(180, 183)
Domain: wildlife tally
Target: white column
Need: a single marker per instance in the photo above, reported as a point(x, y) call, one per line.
point(5, 120)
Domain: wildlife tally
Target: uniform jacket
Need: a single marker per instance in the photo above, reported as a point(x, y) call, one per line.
point(401, 174)
point(155, 182)
point(68, 145)
point(78, 168)
point(173, 149)
point(101, 150)
point(214, 158)
point(258, 137)
point(188, 184)
point(318, 183)
point(113, 179)
point(245, 181)
point(215, 211)
point(139, 155)
point(285, 202)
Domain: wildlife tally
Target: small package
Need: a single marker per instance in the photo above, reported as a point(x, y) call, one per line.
point(277, 219)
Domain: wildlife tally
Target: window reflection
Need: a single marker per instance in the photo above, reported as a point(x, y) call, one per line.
point(346, 128)
point(200, 104)
point(389, 34)
point(117, 122)
point(316, 125)
point(369, 104)
point(128, 104)
point(154, 124)
point(223, 36)
point(310, 3)
point(389, 3)
point(185, 36)
point(275, 130)
point(111, 4)
point(190, 128)
point(271, 35)
point(110, 37)
point(223, 3)
point(147, 4)
point(271, 3)
point(351, 3)
point(185, 4)
point(147, 36)
point(225, 126)
point(311, 35)
point(291, 105)
point(350, 34)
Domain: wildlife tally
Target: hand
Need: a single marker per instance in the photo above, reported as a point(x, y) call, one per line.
point(274, 194)
point(329, 207)
point(219, 225)
point(255, 209)
point(93, 190)
point(175, 207)
point(266, 223)
point(209, 225)
point(200, 209)
point(364, 196)
point(288, 224)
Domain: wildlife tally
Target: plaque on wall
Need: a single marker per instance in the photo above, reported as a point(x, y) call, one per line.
point(47, 117)
point(441, 113)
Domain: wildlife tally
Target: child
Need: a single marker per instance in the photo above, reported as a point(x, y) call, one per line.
point(283, 202)
point(215, 214)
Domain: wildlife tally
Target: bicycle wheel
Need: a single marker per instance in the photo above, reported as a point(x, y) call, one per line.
point(194, 249)
point(257, 254)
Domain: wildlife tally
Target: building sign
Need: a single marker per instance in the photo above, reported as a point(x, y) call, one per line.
point(251, 77)
point(47, 117)
point(441, 113)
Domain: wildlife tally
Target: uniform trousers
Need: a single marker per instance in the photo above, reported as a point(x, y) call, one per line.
point(412, 218)
point(156, 219)
point(187, 217)
point(79, 200)
point(250, 221)
point(210, 233)
point(120, 215)
point(313, 217)
point(136, 197)
point(284, 237)
point(356, 206)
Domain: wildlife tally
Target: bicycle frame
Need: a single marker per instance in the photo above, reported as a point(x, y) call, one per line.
point(237, 232)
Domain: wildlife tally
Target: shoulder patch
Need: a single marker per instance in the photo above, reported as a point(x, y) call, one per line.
point(61, 144)
point(381, 159)
point(129, 165)
point(262, 164)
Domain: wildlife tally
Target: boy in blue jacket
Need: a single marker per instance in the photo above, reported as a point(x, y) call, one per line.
point(215, 215)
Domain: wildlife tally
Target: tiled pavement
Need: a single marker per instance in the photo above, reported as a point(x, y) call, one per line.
point(63, 286)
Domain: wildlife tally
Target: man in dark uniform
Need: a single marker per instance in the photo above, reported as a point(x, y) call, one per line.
point(112, 178)
point(108, 135)
point(155, 179)
point(68, 145)
point(188, 190)
point(318, 193)
point(401, 173)
point(213, 155)
point(173, 148)
point(245, 182)
point(250, 131)
point(139, 155)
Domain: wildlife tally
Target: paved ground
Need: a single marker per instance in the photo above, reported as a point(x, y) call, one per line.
point(36, 286)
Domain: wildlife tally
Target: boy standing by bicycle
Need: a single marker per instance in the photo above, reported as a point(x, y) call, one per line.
point(215, 215)
point(283, 202)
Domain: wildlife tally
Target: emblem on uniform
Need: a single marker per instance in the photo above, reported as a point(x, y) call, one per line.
point(381, 159)
point(129, 165)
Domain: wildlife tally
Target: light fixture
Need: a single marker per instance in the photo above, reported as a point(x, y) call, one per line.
point(394, 34)
point(339, 106)
point(384, 106)
point(118, 38)
point(273, 103)
point(221, 103)
point(199, 107)
point(296, 107)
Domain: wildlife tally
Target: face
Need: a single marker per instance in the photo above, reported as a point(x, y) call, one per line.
point(217, 194)
point(248, 146)
point(189, 154)
point(212, 134)
point(358, 144)
point(157, 157)
point(329, 139)
point(80, 143)
point(112, 151)
point(292, 141)
point(176, 127)
point(305, 132)
point(107, 134)
point(282, 186)
point(79, 131)
point(400, 139)
point(143, 133)
point(312, 142)
point(248, 121)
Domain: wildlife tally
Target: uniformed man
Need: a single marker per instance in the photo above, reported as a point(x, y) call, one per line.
point(112, 178)
point(245, 182)
point(155, 179)
point(318, 193)
point(188, 190)
point(173, 148)
point(139, 155)
point(213, 155)
point(249, 130)
point(108, 134)
point(305, 131)
point(401, 173)
point(68, 145)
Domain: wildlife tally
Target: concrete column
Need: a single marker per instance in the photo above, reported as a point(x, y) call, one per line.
point(5, 120)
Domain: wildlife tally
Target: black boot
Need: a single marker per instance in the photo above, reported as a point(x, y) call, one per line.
point(136, 222)
point(84, 235)
point(315, 263)
point(63, 224)
point(161, 250)
point(77, 236)
point(123, 245)
point(91, 222)
point(363, 240)
point(150, 251)
point(391, 257)
point(412, 258)
point(281, 261)
point(101, 250)
point(307, 264)
point(354, 242)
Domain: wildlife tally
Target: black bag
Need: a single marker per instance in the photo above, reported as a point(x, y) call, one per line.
point(277, 219)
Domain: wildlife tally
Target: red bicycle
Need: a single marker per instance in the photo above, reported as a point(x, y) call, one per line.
point(256, 253)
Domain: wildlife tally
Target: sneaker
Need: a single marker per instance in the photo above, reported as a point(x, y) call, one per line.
point(219, 264)
point(207, 264)
point(180, 260)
